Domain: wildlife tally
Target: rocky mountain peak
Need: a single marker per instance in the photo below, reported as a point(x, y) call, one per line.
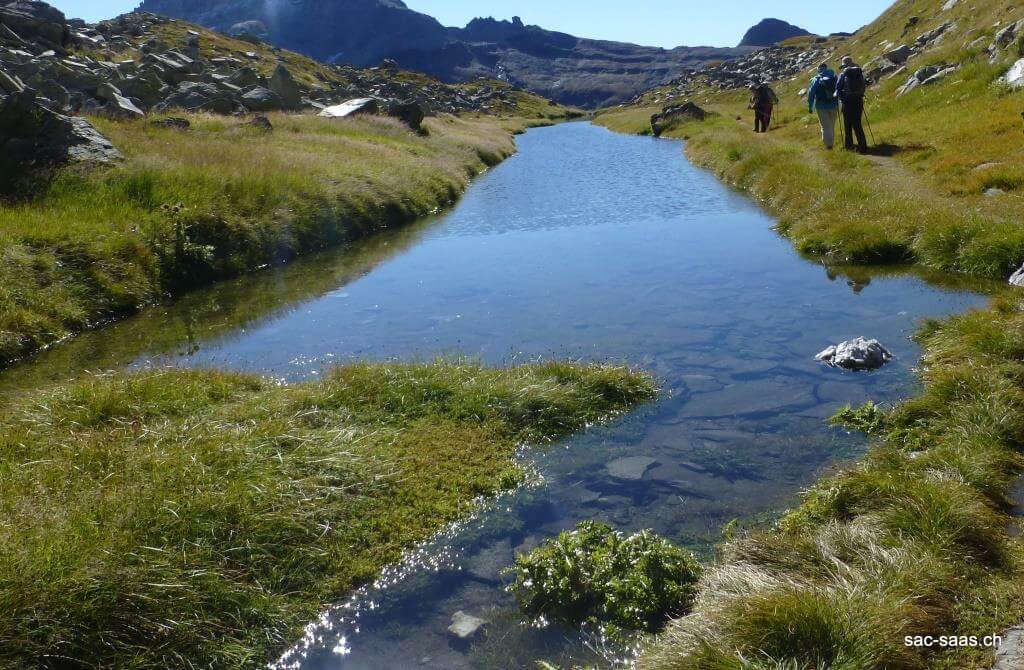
point(770, 32)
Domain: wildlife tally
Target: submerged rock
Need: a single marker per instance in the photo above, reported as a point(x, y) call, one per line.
point(858, 354)
point(465, 626)
point(630, 468)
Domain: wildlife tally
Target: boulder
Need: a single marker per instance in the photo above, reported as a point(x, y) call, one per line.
point(465, 626)
point(1017, 278)
point(899, 55)
point(259, 99)
point(33, 139)
point(858, 354)
point(36, 22)
point(199, 97)
point(177, 123)
point(261, 123)
point(117, 106)
point(145, 87)
point(1015, 75)
point(688, 111)
point(288, 90)
point(409, 112)
point(352, 108)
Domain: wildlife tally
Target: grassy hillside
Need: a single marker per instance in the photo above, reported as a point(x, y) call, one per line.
point(915, 540)
point(199, 519)
point(220, 199)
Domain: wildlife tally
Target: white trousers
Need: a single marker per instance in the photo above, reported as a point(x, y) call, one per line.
point(827, 119)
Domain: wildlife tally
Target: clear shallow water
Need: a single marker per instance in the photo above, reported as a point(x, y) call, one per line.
point(587, 245)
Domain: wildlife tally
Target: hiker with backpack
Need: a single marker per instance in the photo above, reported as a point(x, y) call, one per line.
point(762, 100)
point(821, 98)
point(850, 89)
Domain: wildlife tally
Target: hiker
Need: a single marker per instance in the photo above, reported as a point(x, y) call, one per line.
point(762, 101)
point(821, 98)
point(850, 90)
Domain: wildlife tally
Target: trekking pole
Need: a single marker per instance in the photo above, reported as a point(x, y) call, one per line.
point(870, 129)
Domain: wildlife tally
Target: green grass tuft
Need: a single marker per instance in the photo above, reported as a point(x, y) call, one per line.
point(181, 519)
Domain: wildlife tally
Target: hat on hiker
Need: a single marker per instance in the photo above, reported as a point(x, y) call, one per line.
point(823, 65)
point(847, 60)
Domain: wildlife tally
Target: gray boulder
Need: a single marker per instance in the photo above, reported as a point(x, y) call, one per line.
point(284, 85)
point(36, 22)
point(686, 112)
point(259, 99)
point(857, 354)
point(899, 55)
point(34, 140)
point(145, 87)
point(409, 112)
point(199, 97)
point(117, 106)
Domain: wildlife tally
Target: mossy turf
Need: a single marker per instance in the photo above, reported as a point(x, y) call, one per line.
point(198, 519)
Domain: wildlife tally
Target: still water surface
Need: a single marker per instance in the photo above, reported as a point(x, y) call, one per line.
point(587, 245)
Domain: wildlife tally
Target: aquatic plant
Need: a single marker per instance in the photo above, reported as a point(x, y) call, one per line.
point(868, 418)
point(598, 575)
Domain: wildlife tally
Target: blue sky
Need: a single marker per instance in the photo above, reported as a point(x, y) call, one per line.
point(665, 23)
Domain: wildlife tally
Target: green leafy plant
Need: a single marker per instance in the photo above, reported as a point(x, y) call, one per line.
point(868, 418)
point(598, 575)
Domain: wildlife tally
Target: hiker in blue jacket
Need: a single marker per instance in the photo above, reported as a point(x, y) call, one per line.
point(822, 98)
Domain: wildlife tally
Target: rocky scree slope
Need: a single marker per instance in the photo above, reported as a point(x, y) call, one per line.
point(53, 69)
point(568, 69)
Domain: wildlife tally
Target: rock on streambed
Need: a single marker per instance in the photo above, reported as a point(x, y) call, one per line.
point(857, 354)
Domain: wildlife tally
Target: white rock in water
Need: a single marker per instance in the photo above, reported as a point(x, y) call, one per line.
point(351, 108)
point(1015, 76)
point(465, 626)
point(631, 468)
point(858, 354)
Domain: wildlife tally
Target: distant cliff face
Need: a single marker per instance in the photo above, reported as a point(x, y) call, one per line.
point(769, 32)
point(571, 70)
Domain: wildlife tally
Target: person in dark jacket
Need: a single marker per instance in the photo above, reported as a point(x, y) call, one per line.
point(850, 90)
point(762, 101)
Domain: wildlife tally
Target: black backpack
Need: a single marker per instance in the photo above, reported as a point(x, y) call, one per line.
point(855, 85)
point(825, 93)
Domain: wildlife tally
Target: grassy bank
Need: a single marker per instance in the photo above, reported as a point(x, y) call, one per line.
point(181, 519)
point(220, 199)
point(917, 538)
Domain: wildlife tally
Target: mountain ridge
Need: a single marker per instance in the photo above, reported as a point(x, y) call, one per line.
point(563, 67)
